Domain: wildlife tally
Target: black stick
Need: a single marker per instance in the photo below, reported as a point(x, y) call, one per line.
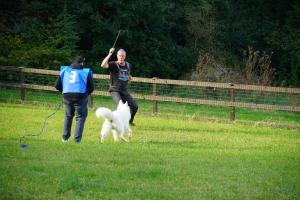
point(116, 39)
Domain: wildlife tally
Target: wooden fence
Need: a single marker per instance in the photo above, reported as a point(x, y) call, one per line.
point(155, 98)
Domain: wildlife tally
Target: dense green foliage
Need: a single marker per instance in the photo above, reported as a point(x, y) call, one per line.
point(162, 38)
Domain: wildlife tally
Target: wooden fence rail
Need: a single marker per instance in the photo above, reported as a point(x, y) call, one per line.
point(231, 103)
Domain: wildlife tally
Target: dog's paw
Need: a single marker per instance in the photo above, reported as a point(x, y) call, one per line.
point(122, 138)
point(116, 139)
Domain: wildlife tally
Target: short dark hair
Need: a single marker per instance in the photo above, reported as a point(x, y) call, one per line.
point(79, 59)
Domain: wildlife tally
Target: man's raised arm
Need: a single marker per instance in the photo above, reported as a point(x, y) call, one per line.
point(104, 63)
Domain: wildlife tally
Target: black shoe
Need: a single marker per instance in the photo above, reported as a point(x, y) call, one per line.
point(77, 141)
point(131, 124)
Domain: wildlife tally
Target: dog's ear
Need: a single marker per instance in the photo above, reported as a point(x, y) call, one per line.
point(120, 103)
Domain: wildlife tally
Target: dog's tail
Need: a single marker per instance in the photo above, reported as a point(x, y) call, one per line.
point(105, 113)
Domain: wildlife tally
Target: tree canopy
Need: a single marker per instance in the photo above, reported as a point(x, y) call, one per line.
point(162, 38)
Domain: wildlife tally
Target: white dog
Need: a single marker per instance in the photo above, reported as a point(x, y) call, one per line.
point(115, 121)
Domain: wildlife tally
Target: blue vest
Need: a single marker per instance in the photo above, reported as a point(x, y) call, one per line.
point(74, 80)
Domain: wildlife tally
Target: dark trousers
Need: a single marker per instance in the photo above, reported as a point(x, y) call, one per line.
point(125, 96)
point(80, 109)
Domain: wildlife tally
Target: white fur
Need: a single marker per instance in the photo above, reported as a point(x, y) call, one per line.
point(116, 121)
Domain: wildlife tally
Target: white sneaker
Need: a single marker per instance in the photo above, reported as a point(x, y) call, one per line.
point(64, 141)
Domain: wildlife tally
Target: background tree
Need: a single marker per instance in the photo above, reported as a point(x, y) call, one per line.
point(39, 37)
point(166, 39)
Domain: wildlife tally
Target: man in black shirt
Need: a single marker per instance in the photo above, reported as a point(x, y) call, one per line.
point(119, 77)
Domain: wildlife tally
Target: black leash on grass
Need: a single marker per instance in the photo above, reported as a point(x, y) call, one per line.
point(22, 138)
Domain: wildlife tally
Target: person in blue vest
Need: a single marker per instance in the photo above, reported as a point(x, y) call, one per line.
point(76, 83)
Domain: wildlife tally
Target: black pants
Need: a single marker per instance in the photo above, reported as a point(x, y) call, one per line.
point(81, 113)
point(125, 96)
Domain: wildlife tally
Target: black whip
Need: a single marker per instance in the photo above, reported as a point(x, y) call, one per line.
point(116, 39)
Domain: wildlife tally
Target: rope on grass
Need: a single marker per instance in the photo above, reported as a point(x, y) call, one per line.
point(22, 138)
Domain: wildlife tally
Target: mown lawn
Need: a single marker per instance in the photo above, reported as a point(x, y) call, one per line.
point(168, 158)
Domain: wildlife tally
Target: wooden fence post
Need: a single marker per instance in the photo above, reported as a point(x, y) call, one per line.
point(22, 79)
point(90, 101)
point(232, 99)
point(154, 93)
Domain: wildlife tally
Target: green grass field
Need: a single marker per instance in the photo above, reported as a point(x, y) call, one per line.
point(175, 155)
